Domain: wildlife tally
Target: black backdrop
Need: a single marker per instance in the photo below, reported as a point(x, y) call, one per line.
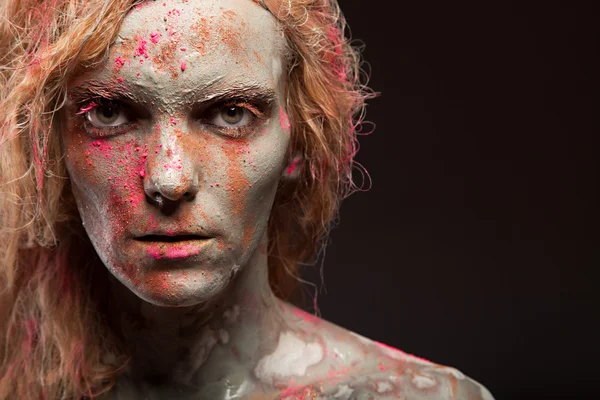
point(474, 247)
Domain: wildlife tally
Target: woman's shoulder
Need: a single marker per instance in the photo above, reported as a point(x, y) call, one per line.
point(355, 367)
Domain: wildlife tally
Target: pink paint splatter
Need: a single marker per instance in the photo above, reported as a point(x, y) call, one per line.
point(172, 120)
point(182, 49)
point(91, 105)
point(120, 80)
point(284, 119)
point(155, 36)
point(183, 66)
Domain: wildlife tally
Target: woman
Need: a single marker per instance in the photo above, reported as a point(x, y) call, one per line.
point(165, 167)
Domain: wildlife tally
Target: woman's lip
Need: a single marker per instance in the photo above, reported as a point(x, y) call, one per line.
point(170, 238)
point(175, 250)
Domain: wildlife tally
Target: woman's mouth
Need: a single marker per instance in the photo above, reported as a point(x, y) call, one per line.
point(173, 247)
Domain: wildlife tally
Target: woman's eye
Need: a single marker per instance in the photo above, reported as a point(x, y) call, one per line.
point(107, 114)
point(232, 117)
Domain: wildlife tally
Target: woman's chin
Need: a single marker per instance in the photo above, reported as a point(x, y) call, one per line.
point(178, 288)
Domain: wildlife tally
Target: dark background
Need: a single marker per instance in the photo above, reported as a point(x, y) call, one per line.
point(476, 246)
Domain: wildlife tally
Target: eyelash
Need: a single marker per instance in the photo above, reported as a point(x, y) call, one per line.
point(90, 105)
point(257, 110)
point(241, 131)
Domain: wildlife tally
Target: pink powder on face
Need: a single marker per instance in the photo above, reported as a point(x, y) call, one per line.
point(174, 12)
point(284, 120)
point(154, 37)
point(91, 105)
point(103, 147)
point(183, 66)
point(142, 49)
point(172, 120)
point(119, 62)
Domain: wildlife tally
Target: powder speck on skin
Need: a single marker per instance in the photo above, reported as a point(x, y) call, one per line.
point(119, 62)
point(183, 66)
point(154, 37)
point(142, 48)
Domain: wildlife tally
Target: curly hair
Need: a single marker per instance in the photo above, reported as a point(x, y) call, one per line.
point(54, 337)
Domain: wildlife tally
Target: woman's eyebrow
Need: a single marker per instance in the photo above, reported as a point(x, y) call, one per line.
point(92, 89)
point(249, 93)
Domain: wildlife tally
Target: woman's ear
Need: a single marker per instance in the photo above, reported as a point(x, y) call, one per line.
point(294, 168)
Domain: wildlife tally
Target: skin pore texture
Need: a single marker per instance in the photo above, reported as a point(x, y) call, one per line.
point(175, 145)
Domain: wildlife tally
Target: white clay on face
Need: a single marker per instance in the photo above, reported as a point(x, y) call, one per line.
point(292, 357)
point(172, 60)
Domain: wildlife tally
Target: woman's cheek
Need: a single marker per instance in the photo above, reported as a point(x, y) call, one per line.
point(238, 161)
point(109, 171)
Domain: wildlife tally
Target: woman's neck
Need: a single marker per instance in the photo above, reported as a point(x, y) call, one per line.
point(191, 346)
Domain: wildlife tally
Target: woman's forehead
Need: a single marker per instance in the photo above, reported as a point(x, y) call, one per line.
point(240, 28)
point(173, 45)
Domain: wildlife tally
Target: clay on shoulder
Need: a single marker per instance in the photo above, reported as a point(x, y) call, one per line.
point(354, 367)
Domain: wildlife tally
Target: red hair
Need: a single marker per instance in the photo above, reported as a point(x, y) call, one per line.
point(52, 346)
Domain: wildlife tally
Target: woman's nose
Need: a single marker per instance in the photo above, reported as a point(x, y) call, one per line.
point(171, 173)
point(174, 188)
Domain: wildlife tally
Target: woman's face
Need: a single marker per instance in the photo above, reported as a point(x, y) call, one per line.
point(176, 143)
